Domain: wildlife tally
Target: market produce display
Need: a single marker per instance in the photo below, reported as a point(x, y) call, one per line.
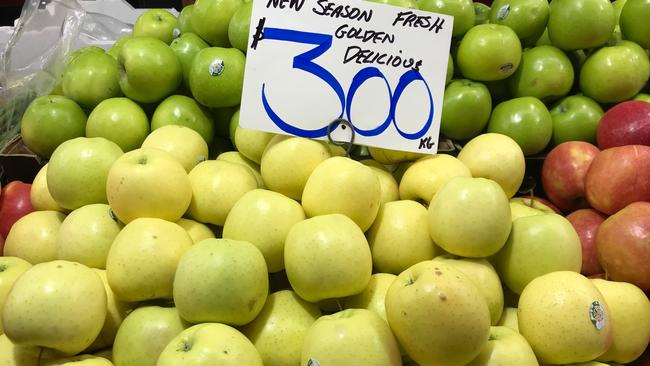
point(161, 232)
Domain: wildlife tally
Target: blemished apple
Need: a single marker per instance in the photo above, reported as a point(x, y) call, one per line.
point(422, 180)
point(495, 156)
point(216, 76)
point(505, 347)
point(251, 143)
point(359, 336)
point(563, 174)
point(374, 296)
point(40, 196)
point(33, 237)
point(388, 184)
point(437, 314)
point(156, 23)
point(580, 24)
point(143, 258)
point(278, 332)
point(86, 235)
point(144, 333)
point(15, 202)
point(470, 217)
point(221, 280)
point(210, 344)
point(238, 158)
point(327, 256)
point(340, 185)
point(120, 120)
point(622, 245)
point(399, 237)
point(586, 222)
point(10, 269)
point(565, 318)
point(210, 20)
point(78, 169)
point(629, 309)
point(59, 305)
point(183, 143)
point(195, 229)
point(148, 182)
point(90, 78)
point(627, 123)
point(184, 111)
point(273, 214)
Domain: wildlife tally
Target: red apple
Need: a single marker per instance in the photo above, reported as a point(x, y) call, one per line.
point(600, 276)
point(623, 245)
point(627, 123)
point(586, 222)
point(563, 174)
point(617, 177)
point(15, 202)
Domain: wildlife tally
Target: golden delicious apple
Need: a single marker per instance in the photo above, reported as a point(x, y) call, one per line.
point(33, 237)
point(564, 318)
point(505, 347)
point(251, 143)
point(422, 180)
point(16, 355)
point(327, 257)
point(437, 314)
point(210, 344)
point(183, 143)
point(59, 305)
point(629, 311)
point(350, 337)
point(80, 360)
point(278, 332)
point(142, 260)
point(148, 182)
point(373, 297)
point(10, 269)
point(388, 157)
point(509, 318)
point(399, 237)
point(470, 217)
point(288, 161)
point(216, 186)
point(237, 157)
point(195, 229)
point(496, 157)
point(389, 187)
point(40, 195)
point(272, 215)
point(521, 207)
point(106, 353)
point(344, 186)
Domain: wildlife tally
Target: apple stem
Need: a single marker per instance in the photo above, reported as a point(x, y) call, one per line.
point(338, 304)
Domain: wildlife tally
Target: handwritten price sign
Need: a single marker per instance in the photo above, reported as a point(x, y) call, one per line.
point(380, 67)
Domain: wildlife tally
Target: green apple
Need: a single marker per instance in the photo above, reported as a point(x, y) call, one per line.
point(210, 19)
point(142, 260)
point(217, 76)
point(144, 334)
point(461, 10)
point(527, 18)
point(184, 22)
point(273, 214)
point(482, 13)
point(59, 305)
point(424, 178)
point(239, 26)
point(148, 182)
point(186, 47)
point(399, 237)
point(251, 143)
point(117, 46)
point(389, 157)
point(629, 310)
point(10, 269)
point(90, 78)
point(633, 21)
point(450, 68)
point(238, 158)
point(484, 276)
point(79, 360)
point(509, 318)
point(183, 143)
point(39, 194)
point(575, 118)
point(505, 347)
point(156, 23)
point(470, 217)
point(345, 186)
point(410, 4)
point(351, 337)
point(33, 237)
point(184, 111)
point(526, 120)
point(545, 72)
point(216, 186)
point(86, 235)
point(497, 157)
point(437, 314)
point(327, 256)
point(489, 52)
point(288, 161)
point(210, 344)
point(642, 96)
point(615, 73)
point(466, 109)
point(78, 169)
point(618, 7)
point(564, 318)
point(150, 69)
point(278, 332)
point(374, 296)
point(538, 245)
point(578, 24)
point(119, 120)
point(196, 230)
point(81, 51)
point(49, 121)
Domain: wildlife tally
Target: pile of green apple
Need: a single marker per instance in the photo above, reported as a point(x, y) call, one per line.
point(163, 233)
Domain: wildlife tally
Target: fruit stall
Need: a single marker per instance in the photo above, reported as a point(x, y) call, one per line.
point(326, 183)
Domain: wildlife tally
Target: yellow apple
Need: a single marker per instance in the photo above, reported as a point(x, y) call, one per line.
point(373, 297)
point(10, 269)
point(16, 355)
point(522, 207)
point(509, 318)
point(237, 157)
point(195, 229)
point(251, 143)
point(388, 157)
point(389, 187)
point(505, 347)
point(183, 143)
point(80, 360)
point(40, 195)
point(422, 180)
point(33, 237)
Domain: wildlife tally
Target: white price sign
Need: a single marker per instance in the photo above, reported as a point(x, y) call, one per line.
point(380, 67)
